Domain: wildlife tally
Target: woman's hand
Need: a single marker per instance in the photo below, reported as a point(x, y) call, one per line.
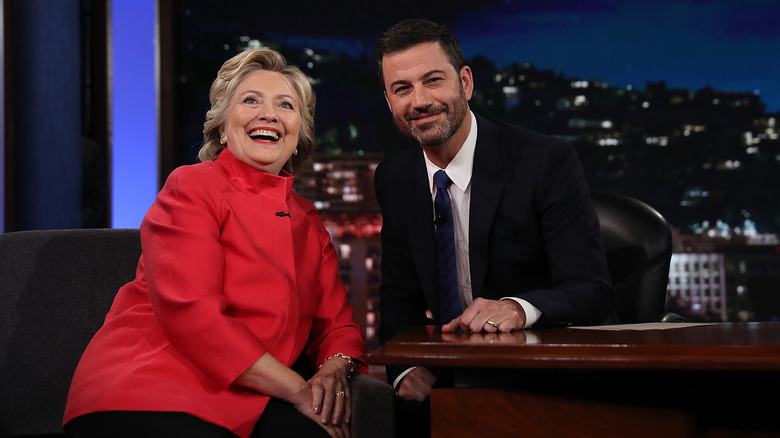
point(316, 398)
point(330, 393)
point(303, 403)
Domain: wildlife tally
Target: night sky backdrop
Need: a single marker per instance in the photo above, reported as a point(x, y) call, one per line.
point(730, 45)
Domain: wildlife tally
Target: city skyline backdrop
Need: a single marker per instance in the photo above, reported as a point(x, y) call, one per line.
point(352, 116)
point(726, 46)
point(723, 44)
point(673, 41)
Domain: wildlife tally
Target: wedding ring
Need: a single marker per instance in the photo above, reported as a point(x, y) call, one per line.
point(489, 322)
point(341, 394)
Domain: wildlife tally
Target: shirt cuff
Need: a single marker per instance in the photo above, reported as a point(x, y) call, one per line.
point(400, 377)
point(532, 314)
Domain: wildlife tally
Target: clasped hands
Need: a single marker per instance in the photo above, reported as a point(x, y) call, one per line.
point(330, 397)
point(488, 316)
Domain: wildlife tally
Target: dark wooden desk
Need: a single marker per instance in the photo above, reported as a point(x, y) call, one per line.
point(690, 381)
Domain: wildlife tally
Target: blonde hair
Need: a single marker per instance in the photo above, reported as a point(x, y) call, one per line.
point(230, 75)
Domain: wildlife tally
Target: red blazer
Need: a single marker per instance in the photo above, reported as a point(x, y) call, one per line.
point(225, 276)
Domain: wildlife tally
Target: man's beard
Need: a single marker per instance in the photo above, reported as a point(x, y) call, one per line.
point(437, 132)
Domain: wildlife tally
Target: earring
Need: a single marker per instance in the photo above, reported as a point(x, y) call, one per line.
point(295, 152)
point(223, 139)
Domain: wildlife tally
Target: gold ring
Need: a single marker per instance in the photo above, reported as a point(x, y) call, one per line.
point(489, 322)
point(341, 393)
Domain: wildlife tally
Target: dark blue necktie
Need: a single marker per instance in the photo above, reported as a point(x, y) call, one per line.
point(449, 307)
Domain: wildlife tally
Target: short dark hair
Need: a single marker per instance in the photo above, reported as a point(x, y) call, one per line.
point(408, 33)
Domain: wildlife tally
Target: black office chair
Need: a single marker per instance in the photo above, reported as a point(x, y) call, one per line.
point(638, 243)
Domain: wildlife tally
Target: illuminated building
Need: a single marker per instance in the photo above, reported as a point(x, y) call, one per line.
point(342, 189)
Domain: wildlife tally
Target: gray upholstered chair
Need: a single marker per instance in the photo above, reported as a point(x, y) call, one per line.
point(638, 243)
point(56, 287)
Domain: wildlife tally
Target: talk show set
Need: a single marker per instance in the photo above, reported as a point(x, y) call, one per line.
point(504, 219)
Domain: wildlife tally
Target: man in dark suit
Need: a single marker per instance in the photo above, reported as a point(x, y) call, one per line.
point(527, 246)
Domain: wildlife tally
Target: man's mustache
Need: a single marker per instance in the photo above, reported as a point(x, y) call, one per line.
point(428, 111)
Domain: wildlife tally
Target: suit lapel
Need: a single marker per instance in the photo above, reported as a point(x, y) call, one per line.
point(420, 225)
point(486, 192)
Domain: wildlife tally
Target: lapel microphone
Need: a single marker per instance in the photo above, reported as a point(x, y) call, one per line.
point(283, 213)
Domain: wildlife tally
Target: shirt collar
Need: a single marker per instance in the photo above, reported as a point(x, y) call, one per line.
point(459, 169)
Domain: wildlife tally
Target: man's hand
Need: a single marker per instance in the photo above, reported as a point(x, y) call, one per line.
point(489, 316)
point(417, 384)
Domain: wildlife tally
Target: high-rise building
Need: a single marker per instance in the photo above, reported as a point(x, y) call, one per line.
point(697, 286)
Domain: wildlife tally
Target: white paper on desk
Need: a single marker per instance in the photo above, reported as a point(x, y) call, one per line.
point(644, 326)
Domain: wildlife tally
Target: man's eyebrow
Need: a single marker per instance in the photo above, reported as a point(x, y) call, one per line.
point(422, 77)
point(431, 73)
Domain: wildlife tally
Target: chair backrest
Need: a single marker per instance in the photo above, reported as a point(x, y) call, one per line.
point(638, 243)
point(56, 287)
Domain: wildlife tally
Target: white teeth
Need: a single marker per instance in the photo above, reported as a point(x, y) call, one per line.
point(264, 133)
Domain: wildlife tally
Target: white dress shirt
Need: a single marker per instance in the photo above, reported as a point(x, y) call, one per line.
point(459, 170)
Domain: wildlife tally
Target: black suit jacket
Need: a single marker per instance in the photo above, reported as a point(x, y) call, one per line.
point(533, 232)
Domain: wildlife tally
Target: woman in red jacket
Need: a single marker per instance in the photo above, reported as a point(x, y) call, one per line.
point(237, 280)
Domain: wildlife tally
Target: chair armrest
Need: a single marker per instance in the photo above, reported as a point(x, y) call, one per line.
point(373, 407)
point(672, 317)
